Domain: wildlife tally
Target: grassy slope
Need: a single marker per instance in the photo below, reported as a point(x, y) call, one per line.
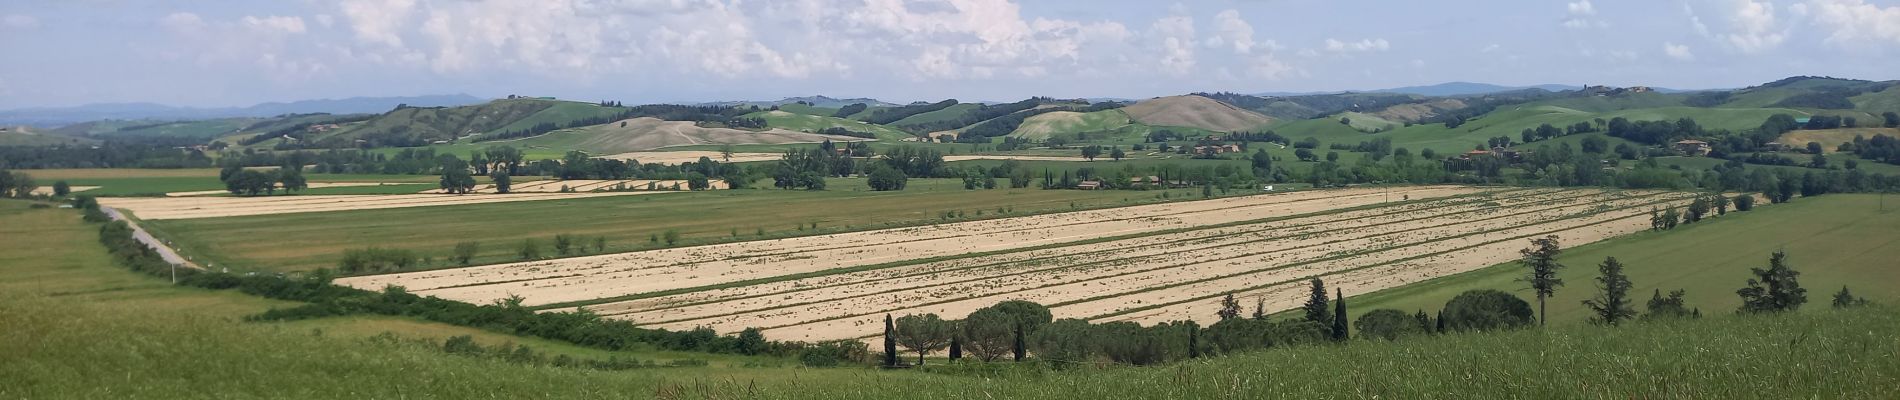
point(1831, 139)
point(38, 138)
point(1832, 240)
point(946, 113)
point(1509, 122)
point(205, 129)
point(796, 108)
point(1879, 102)
point(561, 114)
point(80, 328)
point(130, 181)
point(1043, 126)
point(445, 123)
point(813, 124)
point(626, 221)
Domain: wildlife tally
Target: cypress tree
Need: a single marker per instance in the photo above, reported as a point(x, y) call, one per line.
point(956, 349)
point(1339, 316)
point(1440, 319)
point(1424, 321)
point(890, 343)
point(1020, 351)
point(1194, 340)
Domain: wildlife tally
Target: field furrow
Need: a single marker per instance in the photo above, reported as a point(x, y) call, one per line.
point(609, 276)
point(1091, 284)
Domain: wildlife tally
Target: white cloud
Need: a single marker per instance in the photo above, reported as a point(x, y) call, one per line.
point(1363, 45)
point(1232, 30)
point(17, 21)
point(1851, 22)
point(1753, 27)
point(274, 24)
point(182, 22)
point(378, 21)
point(1490, 48)
point(1678, 51)
point(1581, 15)
point(1175, 38)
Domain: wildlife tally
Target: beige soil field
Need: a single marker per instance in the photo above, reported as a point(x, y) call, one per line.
point(209, 207)
point(1195, 111)
point(48, 190)
point(612, 275)
point(1148, 264)
point(592, 185)
point(687, 156)
point(312, 185)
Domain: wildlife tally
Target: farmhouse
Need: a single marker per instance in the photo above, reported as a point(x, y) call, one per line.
point(1089, 185)
point(1692, 147)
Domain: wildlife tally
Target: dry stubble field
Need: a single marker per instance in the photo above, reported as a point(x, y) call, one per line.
point(1149, 263)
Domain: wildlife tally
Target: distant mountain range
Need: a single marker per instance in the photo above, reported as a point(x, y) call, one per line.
point(55, 116)
point(1454, 89)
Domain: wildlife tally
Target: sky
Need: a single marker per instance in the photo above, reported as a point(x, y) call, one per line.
point(214, 53)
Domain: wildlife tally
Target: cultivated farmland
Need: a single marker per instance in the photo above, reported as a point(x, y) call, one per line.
point(1148, 263)
point(212, 207)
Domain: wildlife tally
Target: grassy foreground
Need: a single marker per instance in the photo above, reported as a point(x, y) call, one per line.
point(79, 327)
point(1833, 240)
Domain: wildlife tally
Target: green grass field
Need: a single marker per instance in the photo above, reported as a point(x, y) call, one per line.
point(561, 114)
point(947, 113)
point(79, 327)
point(141, 182)
point(626, 221)
point(813, 123)
point(1832, 240)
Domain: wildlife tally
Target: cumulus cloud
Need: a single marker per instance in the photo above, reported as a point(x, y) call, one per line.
point(1678, 51)
point(182, 22)
point(1363, 45)
point(1752, 26)
point(17, 21)
point(1233, 32)
point(274, 24)
point(1854, 21)
point(1175, 39)
point(1581, 15)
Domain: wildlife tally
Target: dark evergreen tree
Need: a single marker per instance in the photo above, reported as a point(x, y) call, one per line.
point(1194, 339)
point(1339, 316)
point(1612, 305)
point(1424, 321)
point(1774, 289)
point(1846, 299)
point(956, 348)
point(890, 342)
point(1316, 305)
point(1019, 347)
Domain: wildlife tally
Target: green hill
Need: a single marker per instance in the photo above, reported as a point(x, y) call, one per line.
point(814, 123)
point(416, 126)
point(25, 136)
point(1041, 127)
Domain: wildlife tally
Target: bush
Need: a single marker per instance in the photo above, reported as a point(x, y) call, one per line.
point(465, 251)
point(1387, 324)
point(376, 259)
point(1485, 310)
point(1744, 202)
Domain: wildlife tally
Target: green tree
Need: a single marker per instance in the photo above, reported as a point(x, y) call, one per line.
point(1660, 307)
point(291, 178)
point(672, 236)
point(885, 178)
point(1485, 310)
point(530, 250)
point(1774, 289)
point(1091, 151)
point(563, 244)
point(988, 333)
point(465, 251)
point(1316, 307)
point(1612, 304)
point(1388, 324)
point(922, 334)
point(1030, 315)
point(1341, 330)
point(503, 182)
point(60, 189)
point(1116, 153)
point(1744, 202)
point(890, 342)
point(1229, 308)
point(457, 181)
point(1541, 261)
point(1064, 342)
point(1845, 299)
point(751, 342)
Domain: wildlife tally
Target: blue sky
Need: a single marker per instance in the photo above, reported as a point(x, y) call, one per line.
point(225, 53)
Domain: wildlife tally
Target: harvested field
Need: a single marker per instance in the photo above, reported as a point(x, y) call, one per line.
point(312, 185)
point(686, 156)
point(1147, 264)
point(210, 207)
point(592, 185)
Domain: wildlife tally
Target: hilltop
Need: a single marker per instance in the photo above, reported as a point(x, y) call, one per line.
point(1196, 112)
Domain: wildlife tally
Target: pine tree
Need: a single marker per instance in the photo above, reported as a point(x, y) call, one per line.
point(1229, 308)
point(890, 342)
point(1612, 306)
point(1845, 299)
point(1541, 259)
point(1316, 304)
point(1260, 308)
point(1339, 316)
point(1424, 321)
point(1773, 289)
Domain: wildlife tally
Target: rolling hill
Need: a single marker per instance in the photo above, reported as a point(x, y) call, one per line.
point(415, 126)
point(57, 116)
point(644, 133)
point(813, 124)
point(28, 136)
point(1041, 127)
point(1195, 112)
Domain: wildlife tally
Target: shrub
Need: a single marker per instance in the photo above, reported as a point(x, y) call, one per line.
point(465, 251)
point(376, 259)
point(1484, 310)
point(1387, 324)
